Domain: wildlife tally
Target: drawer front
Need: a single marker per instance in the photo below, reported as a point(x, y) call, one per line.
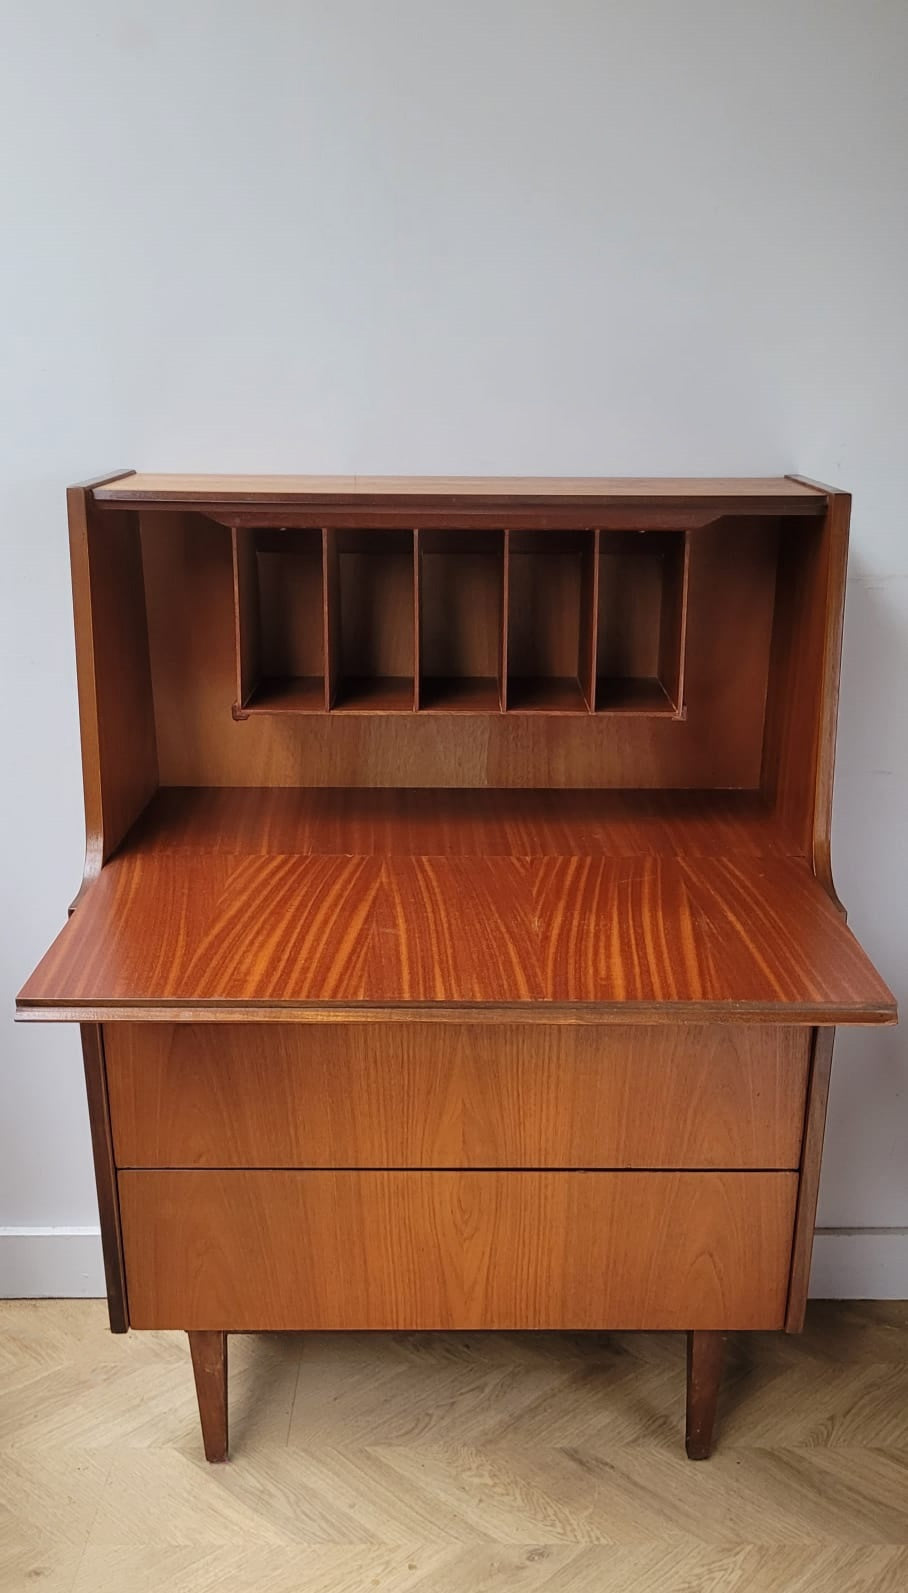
point(456, 1095)
point(412, 1250)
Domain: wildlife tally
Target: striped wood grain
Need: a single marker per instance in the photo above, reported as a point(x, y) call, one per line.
point(706, 937)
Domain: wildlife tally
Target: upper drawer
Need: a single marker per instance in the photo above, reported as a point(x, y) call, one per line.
point(456, 1095)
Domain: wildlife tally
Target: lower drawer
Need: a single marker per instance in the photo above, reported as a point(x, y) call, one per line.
point(414, 1250)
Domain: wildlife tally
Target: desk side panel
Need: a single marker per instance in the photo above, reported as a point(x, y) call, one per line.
point(116, 709)
point(802, 708)
point(94, 1062)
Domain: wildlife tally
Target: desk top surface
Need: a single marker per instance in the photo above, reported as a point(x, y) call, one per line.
point(311, 904)
point(775, 493)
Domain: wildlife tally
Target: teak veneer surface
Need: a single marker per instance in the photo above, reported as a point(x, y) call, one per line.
point(414, 822)
point(785, 494)
point(198, 607)
point(506, 1017)
point(418, 1250)
point(171, 924)
point(456, 1095)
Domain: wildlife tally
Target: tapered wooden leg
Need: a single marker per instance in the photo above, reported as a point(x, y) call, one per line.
point(705, 1352)
point(209, 1364)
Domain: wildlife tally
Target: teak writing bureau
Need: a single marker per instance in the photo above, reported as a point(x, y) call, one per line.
point(458, 946)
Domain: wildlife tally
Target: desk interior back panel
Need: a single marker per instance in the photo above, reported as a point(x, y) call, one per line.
point(189, 580)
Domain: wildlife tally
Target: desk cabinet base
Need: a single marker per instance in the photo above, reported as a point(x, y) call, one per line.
point(701, 1248)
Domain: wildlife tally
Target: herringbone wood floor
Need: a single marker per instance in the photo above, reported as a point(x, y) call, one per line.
point(463, 1463)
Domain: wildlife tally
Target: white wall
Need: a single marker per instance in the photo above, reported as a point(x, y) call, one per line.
point(635, 237)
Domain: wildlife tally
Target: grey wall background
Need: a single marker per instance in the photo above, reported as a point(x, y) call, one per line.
point(506, 237)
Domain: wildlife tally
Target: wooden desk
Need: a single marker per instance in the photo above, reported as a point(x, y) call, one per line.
point(458, 945)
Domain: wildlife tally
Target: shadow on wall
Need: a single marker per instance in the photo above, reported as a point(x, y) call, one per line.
point(865, 1179)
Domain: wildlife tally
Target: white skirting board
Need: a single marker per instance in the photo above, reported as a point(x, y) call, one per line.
point(51, 1263)
point(65, 1263)
point(860, 1264)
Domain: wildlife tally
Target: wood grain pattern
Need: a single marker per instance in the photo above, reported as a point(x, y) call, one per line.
point(693, 938)
point(545, 602)
point(375, 583)
point(838, 521)
point(673, 621)
point(780, 494)
point(247, 611)
point(96, 1089)
point(190, 592)
point(630, 607)
point(190, 602)
point(563, 617)
point(417, 620)
point(209, 1366)
point(459, 581)
point(330, 616)
point(457, 823)
point(641, 619)
point(414, 1250)
point(456, 1095)
point(537, 996)
point(809, 1181)
point(557, 626)
point(504, 635)
point(591, 598)
point(705, 1354)
point(799, 748)
point(119, 755)
point(278, 599)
